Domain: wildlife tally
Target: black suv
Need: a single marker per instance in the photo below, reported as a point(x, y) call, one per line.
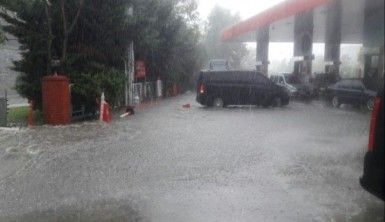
point(373, 178)
point(239, 88)
point(351, 91)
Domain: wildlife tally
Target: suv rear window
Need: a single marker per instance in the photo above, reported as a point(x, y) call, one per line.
point(292, 79)
point(357, 84)
point(259, 78)
point(343, 84)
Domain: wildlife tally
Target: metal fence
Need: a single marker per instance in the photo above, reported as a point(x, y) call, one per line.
point(144, 91)
point(3, 111)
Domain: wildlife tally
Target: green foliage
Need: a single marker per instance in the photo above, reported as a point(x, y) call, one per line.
point(18, 114)
point(219, 19)
point(89, 85)
point(168, 40)
point(28, 27)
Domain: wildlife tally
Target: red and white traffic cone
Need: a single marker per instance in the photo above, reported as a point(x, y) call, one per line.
point(101, 113)
point(104, 110)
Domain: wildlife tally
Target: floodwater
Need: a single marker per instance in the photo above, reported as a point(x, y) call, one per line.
point(167, 163)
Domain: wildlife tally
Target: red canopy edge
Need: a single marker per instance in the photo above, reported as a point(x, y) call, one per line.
point(276, 13)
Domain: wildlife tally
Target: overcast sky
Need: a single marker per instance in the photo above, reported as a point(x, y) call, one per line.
point(245, 8)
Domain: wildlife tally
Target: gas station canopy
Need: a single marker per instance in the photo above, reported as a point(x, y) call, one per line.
point(280, 19)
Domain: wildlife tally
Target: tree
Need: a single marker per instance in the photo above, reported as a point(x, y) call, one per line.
point(2, 36)
point(167, 38)
point(29, 26)
point(219, 19)
point(68, 26)
point(47, 9)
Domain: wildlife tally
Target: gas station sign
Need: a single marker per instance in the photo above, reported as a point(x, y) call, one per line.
point(140, 69)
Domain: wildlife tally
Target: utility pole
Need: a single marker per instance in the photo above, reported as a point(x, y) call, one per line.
point(130, 74)
point(129, 66)
point(126, 83)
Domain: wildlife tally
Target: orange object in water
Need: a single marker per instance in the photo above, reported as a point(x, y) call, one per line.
point(187, 106)
point(56, 100)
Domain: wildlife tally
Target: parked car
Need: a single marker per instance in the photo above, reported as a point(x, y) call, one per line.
point(219, 65)
point(351, 91)
point(279, 79)
point(322, 81)
point(239, 88)
point(373, 177)
point(293, 84)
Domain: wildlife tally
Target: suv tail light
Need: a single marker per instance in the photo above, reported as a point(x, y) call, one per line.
point(201, 88)
point(373, 123)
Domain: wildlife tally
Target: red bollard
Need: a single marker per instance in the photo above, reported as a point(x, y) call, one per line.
point(106, 113)
point(104, 110)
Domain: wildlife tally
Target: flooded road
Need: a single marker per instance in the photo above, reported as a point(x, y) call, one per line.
point(166, 163)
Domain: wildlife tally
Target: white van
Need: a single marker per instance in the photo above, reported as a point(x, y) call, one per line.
point(293, 84)
point(280, 80)
point(219, 65)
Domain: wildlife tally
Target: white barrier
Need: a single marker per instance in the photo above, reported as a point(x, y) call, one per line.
point(146, 91)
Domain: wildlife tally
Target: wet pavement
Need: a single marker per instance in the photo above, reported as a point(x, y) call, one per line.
point(166, 163)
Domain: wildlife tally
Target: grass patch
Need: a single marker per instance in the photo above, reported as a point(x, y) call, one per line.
point(20, 115)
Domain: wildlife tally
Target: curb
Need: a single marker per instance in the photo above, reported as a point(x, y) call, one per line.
point(146, 105)
point(18, 105)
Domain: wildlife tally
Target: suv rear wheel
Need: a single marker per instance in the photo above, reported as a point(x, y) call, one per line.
point(277, 101)
point(370, 104)
point(336, 102)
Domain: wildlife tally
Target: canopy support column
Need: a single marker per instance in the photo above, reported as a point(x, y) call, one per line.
point(263, 50)
point(333, 37)
point(303, 45)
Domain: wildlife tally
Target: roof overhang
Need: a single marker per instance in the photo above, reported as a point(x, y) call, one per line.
point(281, 21)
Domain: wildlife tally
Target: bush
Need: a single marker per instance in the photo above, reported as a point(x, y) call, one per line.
point(90, 85)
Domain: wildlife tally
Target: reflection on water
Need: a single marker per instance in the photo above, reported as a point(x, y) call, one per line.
point(106, 210)
point(372, 213)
